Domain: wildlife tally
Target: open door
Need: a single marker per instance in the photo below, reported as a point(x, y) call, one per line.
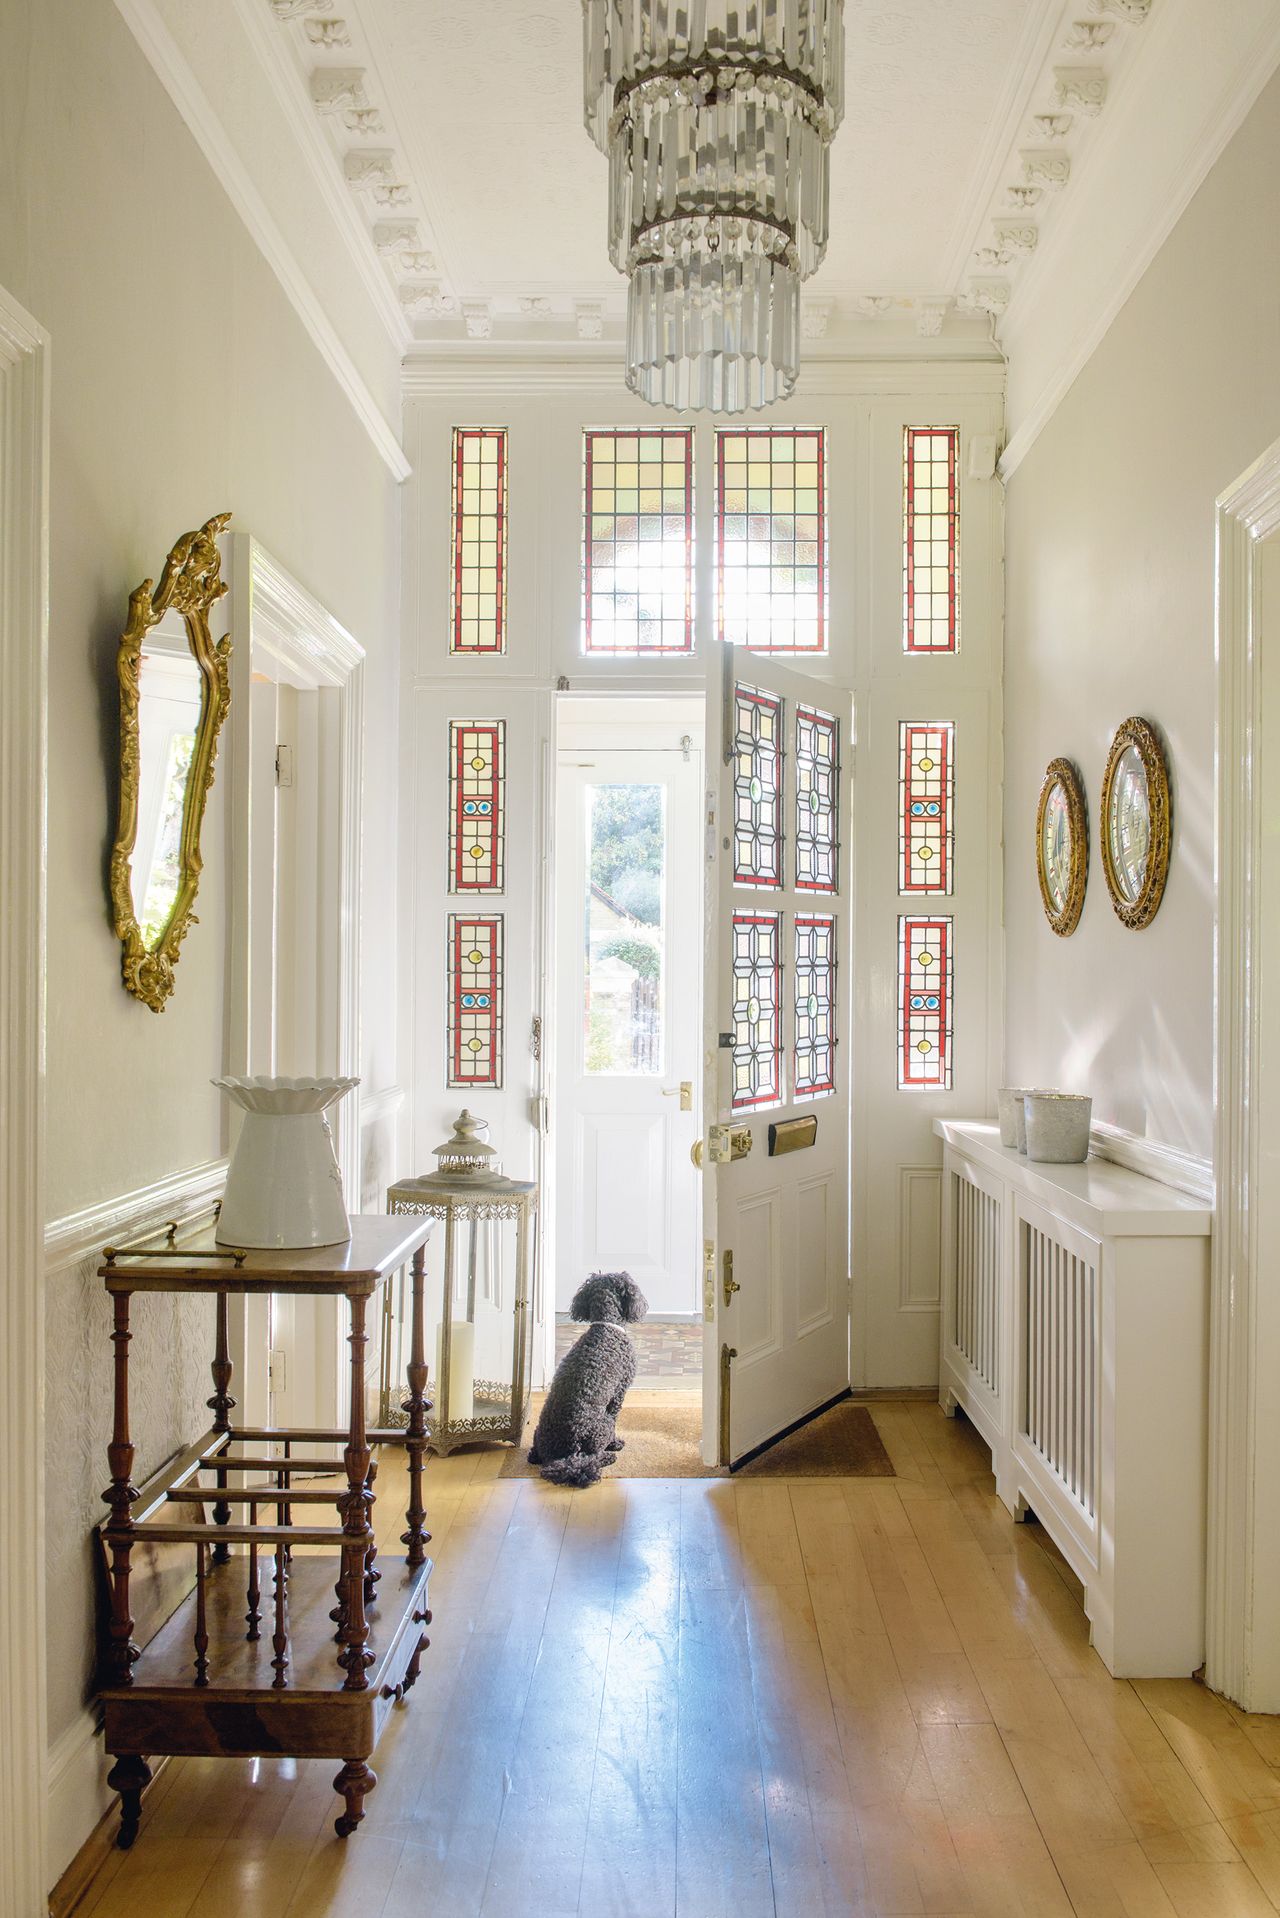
point(776, 1096)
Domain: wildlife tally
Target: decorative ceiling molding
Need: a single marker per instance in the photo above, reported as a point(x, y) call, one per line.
point(1055, 127)
point(195, 109)
point(1136, 179)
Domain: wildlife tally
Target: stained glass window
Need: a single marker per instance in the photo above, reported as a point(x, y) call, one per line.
point(924, 1003)
point(757, 1010)
point(815, 1007)
point(817, 800)
point(637, 572)
point(926, 787)
point(479, 540)
point(475, 1000)
point(771, 538)
point(931, 539)
point(477, 797)
point(757, 788)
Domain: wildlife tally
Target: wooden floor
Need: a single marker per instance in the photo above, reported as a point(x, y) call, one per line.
point(705, 1697)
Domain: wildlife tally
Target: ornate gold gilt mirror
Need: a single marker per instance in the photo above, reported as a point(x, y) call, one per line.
point(1062, 846)
point(173, 699)
point(1136, 823)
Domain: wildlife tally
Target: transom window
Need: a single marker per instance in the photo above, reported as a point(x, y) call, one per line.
point(931, 539)
point(637, 572)
point(771, 538)
point(479, 614)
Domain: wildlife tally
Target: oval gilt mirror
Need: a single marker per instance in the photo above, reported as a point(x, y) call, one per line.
point(1062, 846)
point(174, 693)
point(1136, 823)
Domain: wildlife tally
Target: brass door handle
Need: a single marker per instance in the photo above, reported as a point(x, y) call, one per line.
point(730, 1283)
point(695, 1152)
point(684, 1091)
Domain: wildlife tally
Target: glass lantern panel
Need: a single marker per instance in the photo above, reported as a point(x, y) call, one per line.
point(624, 931)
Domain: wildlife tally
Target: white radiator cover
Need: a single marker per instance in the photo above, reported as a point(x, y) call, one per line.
point(1075, 1337)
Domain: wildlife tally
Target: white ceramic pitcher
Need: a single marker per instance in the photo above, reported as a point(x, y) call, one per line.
point(285, 1185)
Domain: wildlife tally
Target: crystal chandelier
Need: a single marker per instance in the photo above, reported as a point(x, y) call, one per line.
point(716, 116)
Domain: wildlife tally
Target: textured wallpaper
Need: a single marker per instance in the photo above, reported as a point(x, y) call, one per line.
point(169, 1383)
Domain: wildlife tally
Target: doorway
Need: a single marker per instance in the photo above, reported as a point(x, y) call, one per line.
point(626, 1101)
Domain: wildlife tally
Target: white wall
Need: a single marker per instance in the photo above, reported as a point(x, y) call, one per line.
point(183, 384)
point(1110, 597)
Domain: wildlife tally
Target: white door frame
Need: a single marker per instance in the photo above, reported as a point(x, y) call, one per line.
point(1243, 1361)
point(24, 652)
point(273, 616)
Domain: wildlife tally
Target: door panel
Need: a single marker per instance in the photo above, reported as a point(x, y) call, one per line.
point(778, 952)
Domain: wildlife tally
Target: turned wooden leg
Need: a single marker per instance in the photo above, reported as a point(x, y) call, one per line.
point(120, 1495)
point(221, 1405)
point(130, 1776)
point(357, 1538)
point(417, 1406)
point(355, 1781)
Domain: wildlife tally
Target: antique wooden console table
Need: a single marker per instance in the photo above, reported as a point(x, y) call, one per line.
point(314, 1679)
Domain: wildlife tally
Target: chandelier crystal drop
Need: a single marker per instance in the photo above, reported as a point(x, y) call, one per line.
point(716, 116)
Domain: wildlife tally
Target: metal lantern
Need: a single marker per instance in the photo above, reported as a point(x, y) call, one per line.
point(483, 1353)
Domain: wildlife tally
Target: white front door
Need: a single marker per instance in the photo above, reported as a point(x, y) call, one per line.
point(777, 1067)
point(628, 962)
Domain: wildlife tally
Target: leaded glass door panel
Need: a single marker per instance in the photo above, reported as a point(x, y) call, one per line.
point(776, 992)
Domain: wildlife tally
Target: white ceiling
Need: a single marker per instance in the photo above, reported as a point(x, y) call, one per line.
point(465, 116)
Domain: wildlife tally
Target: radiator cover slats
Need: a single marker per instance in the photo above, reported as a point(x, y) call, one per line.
point(1059, 1318)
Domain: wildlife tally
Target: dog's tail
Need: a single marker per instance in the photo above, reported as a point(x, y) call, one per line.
point(580, 1468)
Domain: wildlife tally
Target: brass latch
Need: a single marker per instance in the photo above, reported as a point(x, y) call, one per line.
point(728, 1142)
point(709, 1280)
point(730, 1283)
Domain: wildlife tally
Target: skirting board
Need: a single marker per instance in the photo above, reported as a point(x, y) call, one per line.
point(79, 1796)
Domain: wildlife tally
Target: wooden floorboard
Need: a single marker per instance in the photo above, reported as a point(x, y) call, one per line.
point(817, 1698)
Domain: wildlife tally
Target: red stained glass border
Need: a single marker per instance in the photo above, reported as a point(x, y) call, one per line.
point(910, 793)
point(485, 875)
point(771, 433)
point(932, 1021)
point(771, 1094)
point(812, 842)
point(818, 922)
point(475, 999)
point(911, 642)
point(616, 435)
point(461, 434)
point(762, 824)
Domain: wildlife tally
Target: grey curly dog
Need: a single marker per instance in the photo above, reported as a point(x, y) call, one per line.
point(575, 1438)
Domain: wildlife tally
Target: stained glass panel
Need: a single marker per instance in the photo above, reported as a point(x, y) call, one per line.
point(757, 788)
point(926, 789)
point(479, 623)
point(817, 800)
point(924, 1003)
point(771, 538)
point(815, 1006)
point(931, 539)
point(475, 1000)
point(477, 799)
point(637, 570)
point(757, 1010)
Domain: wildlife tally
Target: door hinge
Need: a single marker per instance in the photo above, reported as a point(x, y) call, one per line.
point(275, 1371)
point(284, 765)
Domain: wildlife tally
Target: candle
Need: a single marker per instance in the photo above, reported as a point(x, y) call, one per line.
point(462, 1346)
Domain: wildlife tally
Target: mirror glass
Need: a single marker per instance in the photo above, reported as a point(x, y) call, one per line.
point(1129, 824)
point(168, 722)
point(1056, 846)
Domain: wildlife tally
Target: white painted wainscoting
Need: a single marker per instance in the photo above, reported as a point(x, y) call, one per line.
point(1075, 1337)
